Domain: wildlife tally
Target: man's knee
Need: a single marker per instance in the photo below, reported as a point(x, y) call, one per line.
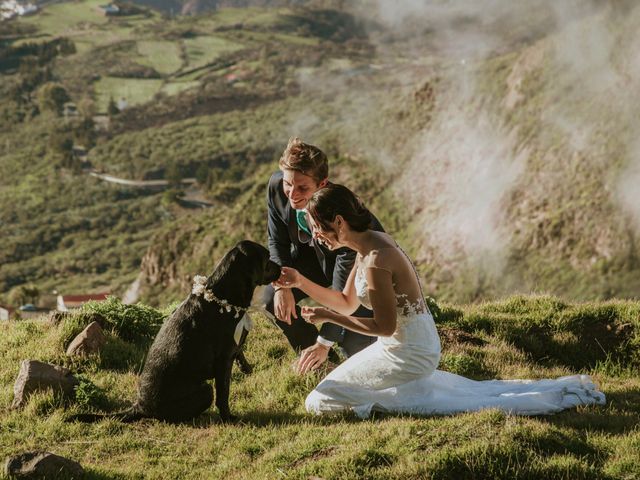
point(354, 342)
point(363, 312)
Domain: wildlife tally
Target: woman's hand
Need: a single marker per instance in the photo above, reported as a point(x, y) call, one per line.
point(316, 314)
point(289, 278)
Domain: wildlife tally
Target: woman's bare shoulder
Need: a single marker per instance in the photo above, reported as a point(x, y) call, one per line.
point(384, 258)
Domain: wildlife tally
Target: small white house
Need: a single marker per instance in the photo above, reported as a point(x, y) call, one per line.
point(5, 312)
point(109, 9)
point(122, 103)
point(11, 8)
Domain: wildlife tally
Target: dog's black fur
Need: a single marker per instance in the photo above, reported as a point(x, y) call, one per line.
point(196, 344)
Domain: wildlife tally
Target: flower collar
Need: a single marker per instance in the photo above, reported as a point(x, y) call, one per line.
point(200, 289)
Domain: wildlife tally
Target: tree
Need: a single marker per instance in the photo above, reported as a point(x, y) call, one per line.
point(202, 174)
point(112, 108)
point(66, 46)
point(173, 175)
point(24, 294)
point(87, 107)
point(61, 149)
point(84, 133)
point(52, 97)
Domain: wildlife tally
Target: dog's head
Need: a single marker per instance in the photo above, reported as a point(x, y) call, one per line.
point(249, 261)
point(262, 268)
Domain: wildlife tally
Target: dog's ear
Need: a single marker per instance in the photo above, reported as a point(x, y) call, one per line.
point(249, 248)
point(222, 267)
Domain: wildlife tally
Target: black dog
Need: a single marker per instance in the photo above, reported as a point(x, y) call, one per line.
point(196, 343)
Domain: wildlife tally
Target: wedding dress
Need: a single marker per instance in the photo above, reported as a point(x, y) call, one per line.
point(398, 373)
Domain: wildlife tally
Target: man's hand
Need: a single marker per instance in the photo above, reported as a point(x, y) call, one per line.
point(312, 358)
point(284, 305)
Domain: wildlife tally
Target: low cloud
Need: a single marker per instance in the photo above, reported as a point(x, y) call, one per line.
point(459, 179)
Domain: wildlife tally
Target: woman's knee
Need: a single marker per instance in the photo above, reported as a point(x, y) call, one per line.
point(313, 402)
point(323, 399)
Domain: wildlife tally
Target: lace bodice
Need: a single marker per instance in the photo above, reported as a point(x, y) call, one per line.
point(414, 323)
point(405, 279)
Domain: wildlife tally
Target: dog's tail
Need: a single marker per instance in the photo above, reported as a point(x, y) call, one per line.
point(130, 415)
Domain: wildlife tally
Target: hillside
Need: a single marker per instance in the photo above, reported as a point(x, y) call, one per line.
point(497, 144)
point(66, 230)
point(522, 336)
point(499, 169)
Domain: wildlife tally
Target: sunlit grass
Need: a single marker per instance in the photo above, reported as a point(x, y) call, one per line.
point(65, 18)
point(176, 87)
point(164, 56)
point(277, 438)
point(205, 49)
point(133, 90)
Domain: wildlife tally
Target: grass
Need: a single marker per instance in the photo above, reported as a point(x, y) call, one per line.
point(250, 15)
point(67, 17)
point(164, 56)
point(258, 38)
point(173, 88)
point(203, 50)
point(134, 90)
point(276, 438)
point(86, 26)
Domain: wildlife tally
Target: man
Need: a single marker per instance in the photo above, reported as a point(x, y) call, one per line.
point(303, 170)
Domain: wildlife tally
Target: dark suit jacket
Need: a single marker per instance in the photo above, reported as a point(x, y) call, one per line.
point(285, 239)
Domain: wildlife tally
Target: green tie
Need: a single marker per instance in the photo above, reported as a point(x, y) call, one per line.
point(301, 217)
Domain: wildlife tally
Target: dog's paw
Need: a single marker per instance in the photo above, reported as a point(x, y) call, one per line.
point(243, 364)
point(229, 418)
point(246, 369)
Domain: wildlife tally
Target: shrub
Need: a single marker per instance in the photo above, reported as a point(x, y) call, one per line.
point(88, 395)
point(130, 322)
point(52, 97)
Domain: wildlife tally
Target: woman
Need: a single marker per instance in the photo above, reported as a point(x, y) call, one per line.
point(398, 372)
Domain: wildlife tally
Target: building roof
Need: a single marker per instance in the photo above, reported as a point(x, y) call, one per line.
point(110, 8)
point(85, 298)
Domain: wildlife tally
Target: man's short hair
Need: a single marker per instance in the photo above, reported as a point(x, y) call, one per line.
point(305, 158)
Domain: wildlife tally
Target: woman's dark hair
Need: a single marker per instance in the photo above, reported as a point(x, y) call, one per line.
point(334, 200)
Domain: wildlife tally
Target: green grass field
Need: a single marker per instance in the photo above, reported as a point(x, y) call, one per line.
point(205, 49)
point(67, 18)
point(176, 87)
point(84, 20)
point(276, 438)
point(164, 56)
point(134, 90)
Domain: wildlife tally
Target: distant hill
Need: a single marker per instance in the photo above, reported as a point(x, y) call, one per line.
point(191, 7)
point(497, 144)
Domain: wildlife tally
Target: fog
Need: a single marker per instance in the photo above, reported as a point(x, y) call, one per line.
point(462, 167)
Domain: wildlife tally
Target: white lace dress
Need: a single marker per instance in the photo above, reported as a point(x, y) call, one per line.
point(398, 374)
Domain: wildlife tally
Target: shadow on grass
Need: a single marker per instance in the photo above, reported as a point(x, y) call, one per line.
point(578, 337)
point(620, 415)
point(90, 474)
point(270, 419)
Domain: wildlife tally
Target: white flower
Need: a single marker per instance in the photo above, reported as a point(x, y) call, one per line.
point(200, 280)
point(208, 295)
point(200, 287)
